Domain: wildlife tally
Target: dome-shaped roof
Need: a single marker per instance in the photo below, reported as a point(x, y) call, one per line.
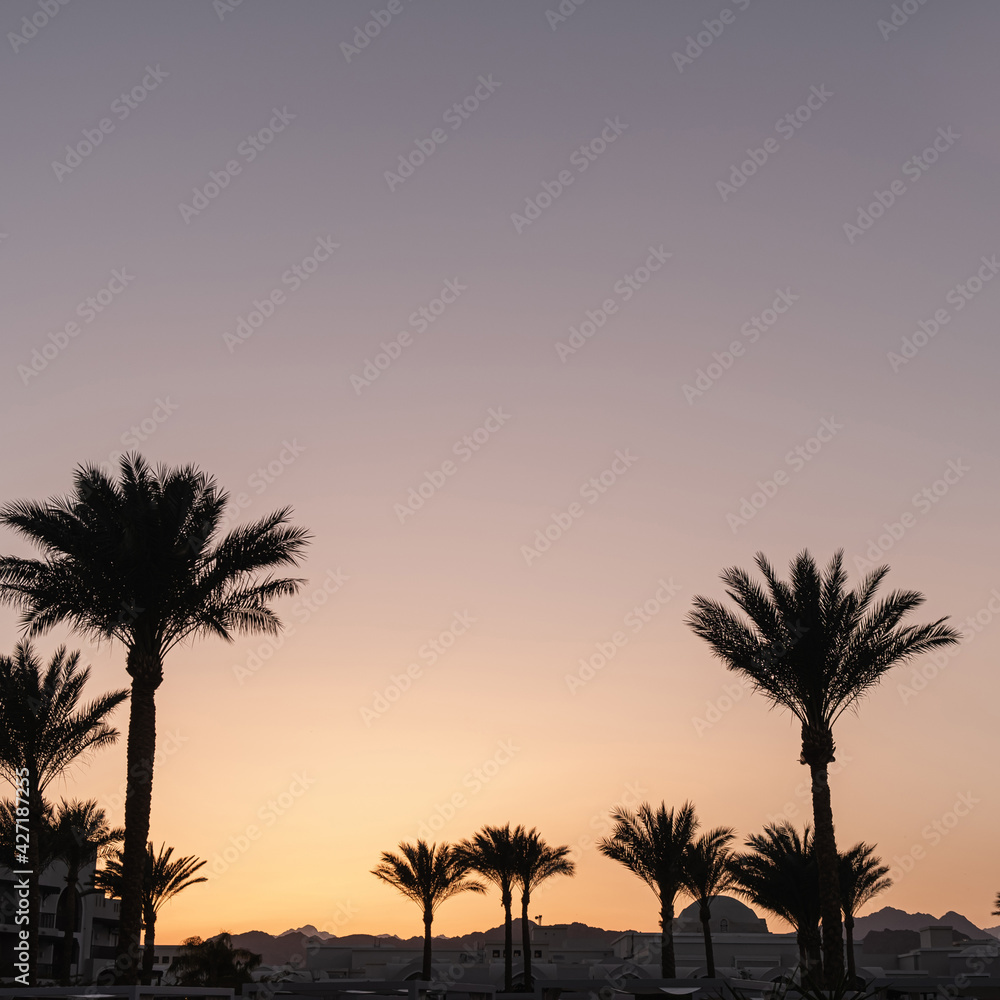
point(738, 917)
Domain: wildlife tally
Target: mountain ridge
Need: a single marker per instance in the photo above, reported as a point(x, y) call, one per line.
point(280, 949)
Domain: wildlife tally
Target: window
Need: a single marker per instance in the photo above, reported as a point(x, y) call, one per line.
point(517, 953)
point(496, 952)
point(538, 954)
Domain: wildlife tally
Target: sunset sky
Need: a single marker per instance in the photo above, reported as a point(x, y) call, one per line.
point(480, 277)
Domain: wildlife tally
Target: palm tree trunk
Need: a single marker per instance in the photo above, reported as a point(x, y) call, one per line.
point(802, 940)
point(138, 798)
point(508, 944)
point(706, 931)
point(428, 917)
point(65, 962)
point(852, 971)
point(827, 860)
point(668, 966)
point(526, 938)
point(148, 947)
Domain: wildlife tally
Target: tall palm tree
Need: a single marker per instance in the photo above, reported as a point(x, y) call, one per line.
point(814, 648)
point(535, 863)
point(996, 903)
point(862, 878)
point(781, 876)
point(652, 845)
point(44, 730)
point(492, 853)
point(162, 879)
point(214, 962)
point(82, 835)
point(706, 873)
point(428, 876)
point(138, 560)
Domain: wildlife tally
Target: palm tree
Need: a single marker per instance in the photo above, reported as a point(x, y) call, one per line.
point(82, 836)
point(705, 874)
point(652, 845)
point(862, 878)
point(44, 730)
point(214, 962)
point(781, 876)
point(428, 876)
point(996, 903)
point(138, 560)
point(815, 649)
point(535, 863)
point(492, 853)
point(162, 879)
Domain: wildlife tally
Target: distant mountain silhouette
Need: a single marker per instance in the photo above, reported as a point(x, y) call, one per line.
point(891, 919)
point(292, 945)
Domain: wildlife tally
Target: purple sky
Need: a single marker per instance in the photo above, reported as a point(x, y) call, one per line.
point(605, 174)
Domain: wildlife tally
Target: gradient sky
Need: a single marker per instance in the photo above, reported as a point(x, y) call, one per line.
point(494, 720)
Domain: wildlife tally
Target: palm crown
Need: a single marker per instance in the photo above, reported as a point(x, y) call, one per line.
point(809, 645)
point(43, 726)
point(652, 845)
point(426, 874)
point(134, 560)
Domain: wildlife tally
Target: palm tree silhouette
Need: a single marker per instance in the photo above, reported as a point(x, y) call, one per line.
point(43, 731)
point(138, 560)
point(492, 853)
point(862, 878)
point(535, 863)
point(82, 835)
point(781, 876)
point(428, 875)
point(705, 874)
point(162, 879)
point(652, 846)
point(214, 962)
point(815, 649)
point(996, 903)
